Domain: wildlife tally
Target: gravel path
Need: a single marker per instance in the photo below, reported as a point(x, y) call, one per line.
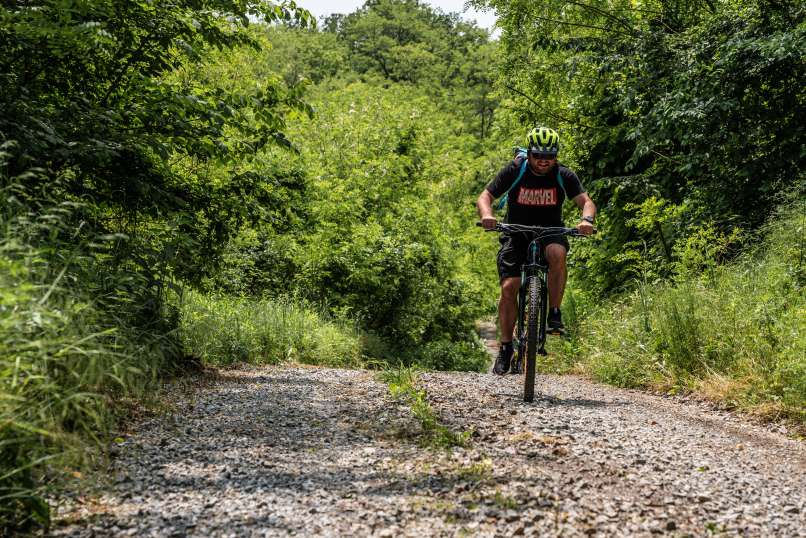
point(320, 452)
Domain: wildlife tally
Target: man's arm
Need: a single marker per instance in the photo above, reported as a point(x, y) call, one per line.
point(497, 187)
point(584, 202)
point(485, 206)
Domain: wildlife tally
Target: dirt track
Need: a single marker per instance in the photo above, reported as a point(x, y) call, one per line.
point(309, 451)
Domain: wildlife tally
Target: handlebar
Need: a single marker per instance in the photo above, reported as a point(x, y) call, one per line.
point(540, 231)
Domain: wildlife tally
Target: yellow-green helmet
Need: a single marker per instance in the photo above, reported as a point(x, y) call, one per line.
point(544, 140)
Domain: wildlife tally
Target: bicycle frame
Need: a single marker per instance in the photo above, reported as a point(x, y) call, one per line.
point(531, 325)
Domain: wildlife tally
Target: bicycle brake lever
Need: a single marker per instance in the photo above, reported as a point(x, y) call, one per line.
point(480, 225)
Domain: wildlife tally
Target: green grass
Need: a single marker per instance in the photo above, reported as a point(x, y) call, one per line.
point(223, 330)
point(735, 333)
point(402, 382)
point(82, 342)
point(505, 502)
point(65, 368)
point(480, 471)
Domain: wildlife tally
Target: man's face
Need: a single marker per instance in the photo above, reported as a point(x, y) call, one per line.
point(541, 163)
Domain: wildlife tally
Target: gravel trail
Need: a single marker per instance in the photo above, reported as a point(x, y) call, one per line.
point(280, 451)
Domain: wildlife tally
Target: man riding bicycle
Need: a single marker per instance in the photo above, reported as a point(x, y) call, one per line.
point(534, 200)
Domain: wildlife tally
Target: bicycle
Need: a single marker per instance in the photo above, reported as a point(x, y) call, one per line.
point(532, 314)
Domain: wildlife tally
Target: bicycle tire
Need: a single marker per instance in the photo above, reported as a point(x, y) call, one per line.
point(520, 332)
point(541, 322)
point(534, 295)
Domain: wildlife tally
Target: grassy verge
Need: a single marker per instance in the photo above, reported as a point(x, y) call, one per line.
point(223, 330)
point(402, 383)
point(733, 333)
point(66, 368)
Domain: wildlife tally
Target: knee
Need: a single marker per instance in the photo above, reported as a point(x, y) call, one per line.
point(509, 288)
point(555, 255)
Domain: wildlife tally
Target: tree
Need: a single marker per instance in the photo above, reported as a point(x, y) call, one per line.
point(696, 103)
point(408, 41)
point(92, 93)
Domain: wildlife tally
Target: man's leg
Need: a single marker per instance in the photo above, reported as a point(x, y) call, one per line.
point(507, 313)
point(558, 274)
point(507, 307)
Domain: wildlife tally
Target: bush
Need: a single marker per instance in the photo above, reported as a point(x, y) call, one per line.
point(223, 330)
point(447, 355)
point(736, 332)
point(67, 361)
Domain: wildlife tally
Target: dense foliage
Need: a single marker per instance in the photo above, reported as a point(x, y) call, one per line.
point(103, 209)
point(732, 332)
point(150, 148)
point(684, 119)
point(182, 182)
point(679, 115)
point(408, 41)
point(374, 212)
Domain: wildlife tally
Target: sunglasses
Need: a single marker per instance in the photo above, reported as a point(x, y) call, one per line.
point(542, 155)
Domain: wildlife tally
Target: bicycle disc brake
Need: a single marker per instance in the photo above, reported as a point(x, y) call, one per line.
point(517, 359)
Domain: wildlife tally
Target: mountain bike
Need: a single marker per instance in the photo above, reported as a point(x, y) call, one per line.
point(530, 334)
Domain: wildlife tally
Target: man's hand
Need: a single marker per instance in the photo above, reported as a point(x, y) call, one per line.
point(585, 228)
point(488, 223)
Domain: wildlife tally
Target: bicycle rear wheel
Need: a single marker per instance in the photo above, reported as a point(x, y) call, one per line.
point(535, 309)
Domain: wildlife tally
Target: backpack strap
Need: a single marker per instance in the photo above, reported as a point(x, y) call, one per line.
point(560, 181)
point(503, 200)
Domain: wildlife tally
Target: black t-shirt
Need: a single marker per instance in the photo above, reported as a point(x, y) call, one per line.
point(535, 200)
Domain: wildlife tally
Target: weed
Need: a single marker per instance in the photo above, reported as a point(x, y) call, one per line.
point(476, 472)
point(522, 437)
point(402, 382)
point(735, 333)
point(71, 360)
point(504, 501)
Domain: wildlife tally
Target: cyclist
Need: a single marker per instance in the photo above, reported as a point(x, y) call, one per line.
point(536, 200)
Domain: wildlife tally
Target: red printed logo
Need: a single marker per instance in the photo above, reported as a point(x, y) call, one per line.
point(538, 196)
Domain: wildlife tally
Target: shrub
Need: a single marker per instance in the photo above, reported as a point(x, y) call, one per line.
point(223, 330)
point(66, 360)
point(736, 331)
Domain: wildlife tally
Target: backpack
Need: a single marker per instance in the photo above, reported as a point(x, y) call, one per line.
point(520, 153)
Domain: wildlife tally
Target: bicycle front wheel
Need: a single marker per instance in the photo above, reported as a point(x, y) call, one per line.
point(534, 296)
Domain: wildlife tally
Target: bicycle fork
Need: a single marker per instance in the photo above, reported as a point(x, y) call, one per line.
point(535, 270)
point(541, 320)
point(521, 340)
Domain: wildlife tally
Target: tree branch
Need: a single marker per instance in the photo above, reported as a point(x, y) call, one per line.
point(134, 56)
point(580, 25)
point(543, 110)
point(625, 24)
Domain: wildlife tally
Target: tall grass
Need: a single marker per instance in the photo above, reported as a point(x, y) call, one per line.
point(223, 330)
point(735, 333)
point(63, 362)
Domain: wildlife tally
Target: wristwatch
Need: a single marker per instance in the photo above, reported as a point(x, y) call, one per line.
point(588, 219)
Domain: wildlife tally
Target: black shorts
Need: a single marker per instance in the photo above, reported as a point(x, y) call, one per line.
point(513, 253)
